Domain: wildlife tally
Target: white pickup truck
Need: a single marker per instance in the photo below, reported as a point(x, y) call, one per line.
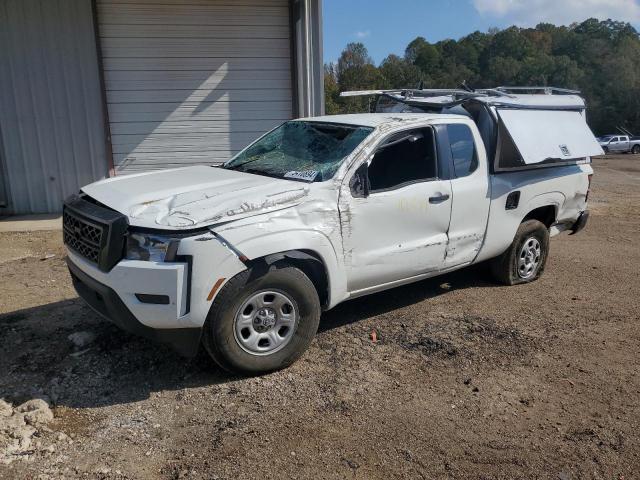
point(243, 258)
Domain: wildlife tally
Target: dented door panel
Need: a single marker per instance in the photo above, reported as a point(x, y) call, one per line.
point(470, 208)
point(396, 234)
point(469, 204)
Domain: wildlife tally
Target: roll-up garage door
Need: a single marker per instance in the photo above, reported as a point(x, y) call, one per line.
point(192, 82)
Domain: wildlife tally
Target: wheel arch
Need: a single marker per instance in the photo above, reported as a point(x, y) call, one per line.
point(308, 261)
point(545, 214)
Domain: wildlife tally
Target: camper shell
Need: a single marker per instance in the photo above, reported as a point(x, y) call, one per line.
point(521, 127)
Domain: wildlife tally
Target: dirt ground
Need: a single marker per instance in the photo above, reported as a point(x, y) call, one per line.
point(467, 379)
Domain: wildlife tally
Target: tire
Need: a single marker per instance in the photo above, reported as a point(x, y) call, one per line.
point(519, 263)
point(636, 149)
point(605, 150)
point(268, 299)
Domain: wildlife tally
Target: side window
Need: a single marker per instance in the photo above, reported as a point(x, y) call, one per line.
point(463, 149)
point(404, 158)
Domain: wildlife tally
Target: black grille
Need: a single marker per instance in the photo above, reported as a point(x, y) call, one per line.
point(83, 237)
point(93, 231)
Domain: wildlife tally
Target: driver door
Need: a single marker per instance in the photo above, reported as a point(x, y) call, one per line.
point(398, 230)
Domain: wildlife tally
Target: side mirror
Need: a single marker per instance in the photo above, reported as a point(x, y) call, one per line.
point(359, 183)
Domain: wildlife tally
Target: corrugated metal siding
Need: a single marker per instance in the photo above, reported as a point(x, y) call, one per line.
point(193, 82)
point(4, 198)
point(51, 118)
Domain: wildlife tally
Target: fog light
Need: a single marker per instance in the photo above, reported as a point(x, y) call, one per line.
point(155, 299)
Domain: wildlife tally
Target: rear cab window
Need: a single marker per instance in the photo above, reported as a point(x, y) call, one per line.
point(463, 149)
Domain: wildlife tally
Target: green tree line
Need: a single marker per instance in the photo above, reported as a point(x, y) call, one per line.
point(599, 58)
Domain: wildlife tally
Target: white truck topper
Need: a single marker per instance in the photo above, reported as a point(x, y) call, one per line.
point(521, 127)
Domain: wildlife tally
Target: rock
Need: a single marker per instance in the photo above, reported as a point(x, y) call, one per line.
point(12, 423)
point(5, 409)
point(17, 429)
point(36, 412)
point(82, 339)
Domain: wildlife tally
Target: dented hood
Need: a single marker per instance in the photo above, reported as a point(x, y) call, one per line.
point(194, 196)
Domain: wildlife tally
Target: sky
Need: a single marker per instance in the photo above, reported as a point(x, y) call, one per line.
point(387, 26)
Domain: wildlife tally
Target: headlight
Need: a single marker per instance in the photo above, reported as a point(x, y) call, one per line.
point(151, 247)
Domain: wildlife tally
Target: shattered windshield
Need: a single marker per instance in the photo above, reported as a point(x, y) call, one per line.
point(299, 150)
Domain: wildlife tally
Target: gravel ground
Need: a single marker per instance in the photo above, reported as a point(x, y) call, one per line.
point(466, 379)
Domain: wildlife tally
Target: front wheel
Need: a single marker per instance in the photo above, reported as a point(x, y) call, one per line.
point(525, 259)
point(605, 150)
point(263, 322)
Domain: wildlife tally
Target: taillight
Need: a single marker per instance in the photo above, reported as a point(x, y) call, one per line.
point(586, 197)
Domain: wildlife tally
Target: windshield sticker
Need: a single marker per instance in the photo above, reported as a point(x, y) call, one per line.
point(308, 176)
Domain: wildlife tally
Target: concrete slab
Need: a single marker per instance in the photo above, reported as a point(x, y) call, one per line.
point(31, 223)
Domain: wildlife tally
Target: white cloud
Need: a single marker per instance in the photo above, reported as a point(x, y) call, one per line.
point(362, 34)
point(559, 12)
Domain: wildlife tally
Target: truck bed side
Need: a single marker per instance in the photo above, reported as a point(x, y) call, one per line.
point(563, 188)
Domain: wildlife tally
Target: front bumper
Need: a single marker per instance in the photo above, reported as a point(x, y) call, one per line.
point(104, 300)
point(583, 218)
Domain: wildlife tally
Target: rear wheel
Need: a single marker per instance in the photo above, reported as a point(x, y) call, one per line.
point(636, 149)
point(262, 323)
point(525, 259)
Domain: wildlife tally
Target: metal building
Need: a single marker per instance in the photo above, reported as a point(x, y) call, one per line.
point(93, 88)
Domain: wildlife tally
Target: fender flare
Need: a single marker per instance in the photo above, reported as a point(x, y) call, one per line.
point(549, 199)
point(275, 245)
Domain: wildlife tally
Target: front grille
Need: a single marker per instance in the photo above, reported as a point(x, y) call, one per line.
point(82, 236)
point(93, 231)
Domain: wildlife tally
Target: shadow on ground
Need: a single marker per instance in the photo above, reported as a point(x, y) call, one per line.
point(38, 360)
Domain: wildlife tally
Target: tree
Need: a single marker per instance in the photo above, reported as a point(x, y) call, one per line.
point(398, 73)
point(356, 71)
point(423, 55)
point(354, 55)
point(331, 90)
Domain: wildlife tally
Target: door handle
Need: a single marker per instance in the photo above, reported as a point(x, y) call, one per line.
point(439, 198)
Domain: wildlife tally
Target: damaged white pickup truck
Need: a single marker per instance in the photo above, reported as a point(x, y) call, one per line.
point(243, 258)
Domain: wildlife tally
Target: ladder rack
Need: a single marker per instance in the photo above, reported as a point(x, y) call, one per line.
point(545, 90)
point(461, 93)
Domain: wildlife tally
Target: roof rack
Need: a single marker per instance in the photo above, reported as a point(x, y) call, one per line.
point(426, 92)
point(438, 99)
point(461, 93)
point(405, 92)
point(545, 90)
